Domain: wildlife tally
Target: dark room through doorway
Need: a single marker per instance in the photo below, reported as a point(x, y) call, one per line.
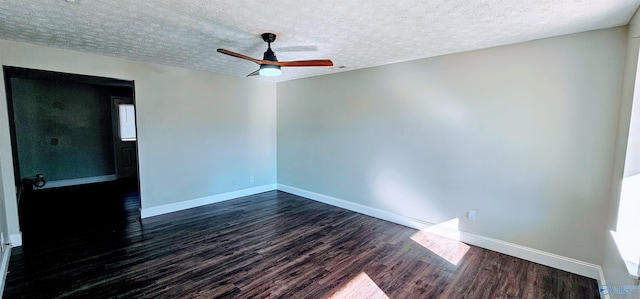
point(74, 142)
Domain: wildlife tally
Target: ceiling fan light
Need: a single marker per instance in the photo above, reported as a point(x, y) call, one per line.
point(270, 70)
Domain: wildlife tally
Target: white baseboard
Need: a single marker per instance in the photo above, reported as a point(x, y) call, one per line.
point(6, 256)
point(523, 252)
point(188, 204)
point(80, 181)
point(16, 240)
point(534, 255)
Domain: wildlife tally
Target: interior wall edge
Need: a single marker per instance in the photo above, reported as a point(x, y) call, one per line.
point(15, 239)
point(4, 267)
point(6, 161)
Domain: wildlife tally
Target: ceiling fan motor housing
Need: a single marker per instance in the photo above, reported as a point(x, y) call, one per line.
point(269, 55)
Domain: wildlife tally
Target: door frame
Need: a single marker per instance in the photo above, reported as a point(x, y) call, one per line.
point(115, 101)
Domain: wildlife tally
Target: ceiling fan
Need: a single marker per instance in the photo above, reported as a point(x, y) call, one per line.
point(269, 65)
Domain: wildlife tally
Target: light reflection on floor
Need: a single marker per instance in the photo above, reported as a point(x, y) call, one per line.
point(361, 286)
point(448, 247)
point(442, 239)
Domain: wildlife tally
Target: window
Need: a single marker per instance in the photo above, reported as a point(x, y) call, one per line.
point(127, 118)
point(626, 234)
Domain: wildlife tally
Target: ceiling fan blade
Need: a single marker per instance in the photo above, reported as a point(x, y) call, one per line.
point(238, 55)
point(254, 73)
point(317, 62)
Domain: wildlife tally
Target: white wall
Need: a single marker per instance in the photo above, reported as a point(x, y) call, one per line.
point(522, 133)
point(198, 132)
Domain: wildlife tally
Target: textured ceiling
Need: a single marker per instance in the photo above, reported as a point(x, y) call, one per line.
point(354, 34)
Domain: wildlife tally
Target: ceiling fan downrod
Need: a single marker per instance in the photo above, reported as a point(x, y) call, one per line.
point(269, 54)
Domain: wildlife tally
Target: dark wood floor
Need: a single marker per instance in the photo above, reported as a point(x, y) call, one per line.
point(272, 244)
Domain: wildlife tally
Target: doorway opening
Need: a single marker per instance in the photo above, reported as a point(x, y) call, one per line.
point(74, 173)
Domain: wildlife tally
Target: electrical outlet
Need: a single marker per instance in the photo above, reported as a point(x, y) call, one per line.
point(251, 179)
point(471, 214)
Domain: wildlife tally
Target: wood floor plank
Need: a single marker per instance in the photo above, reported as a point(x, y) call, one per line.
point(270, 245)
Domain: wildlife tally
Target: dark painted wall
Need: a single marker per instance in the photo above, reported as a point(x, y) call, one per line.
point(63, 129)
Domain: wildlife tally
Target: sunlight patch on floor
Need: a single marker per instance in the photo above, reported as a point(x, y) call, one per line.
point(443, 240)
point(360, 287)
